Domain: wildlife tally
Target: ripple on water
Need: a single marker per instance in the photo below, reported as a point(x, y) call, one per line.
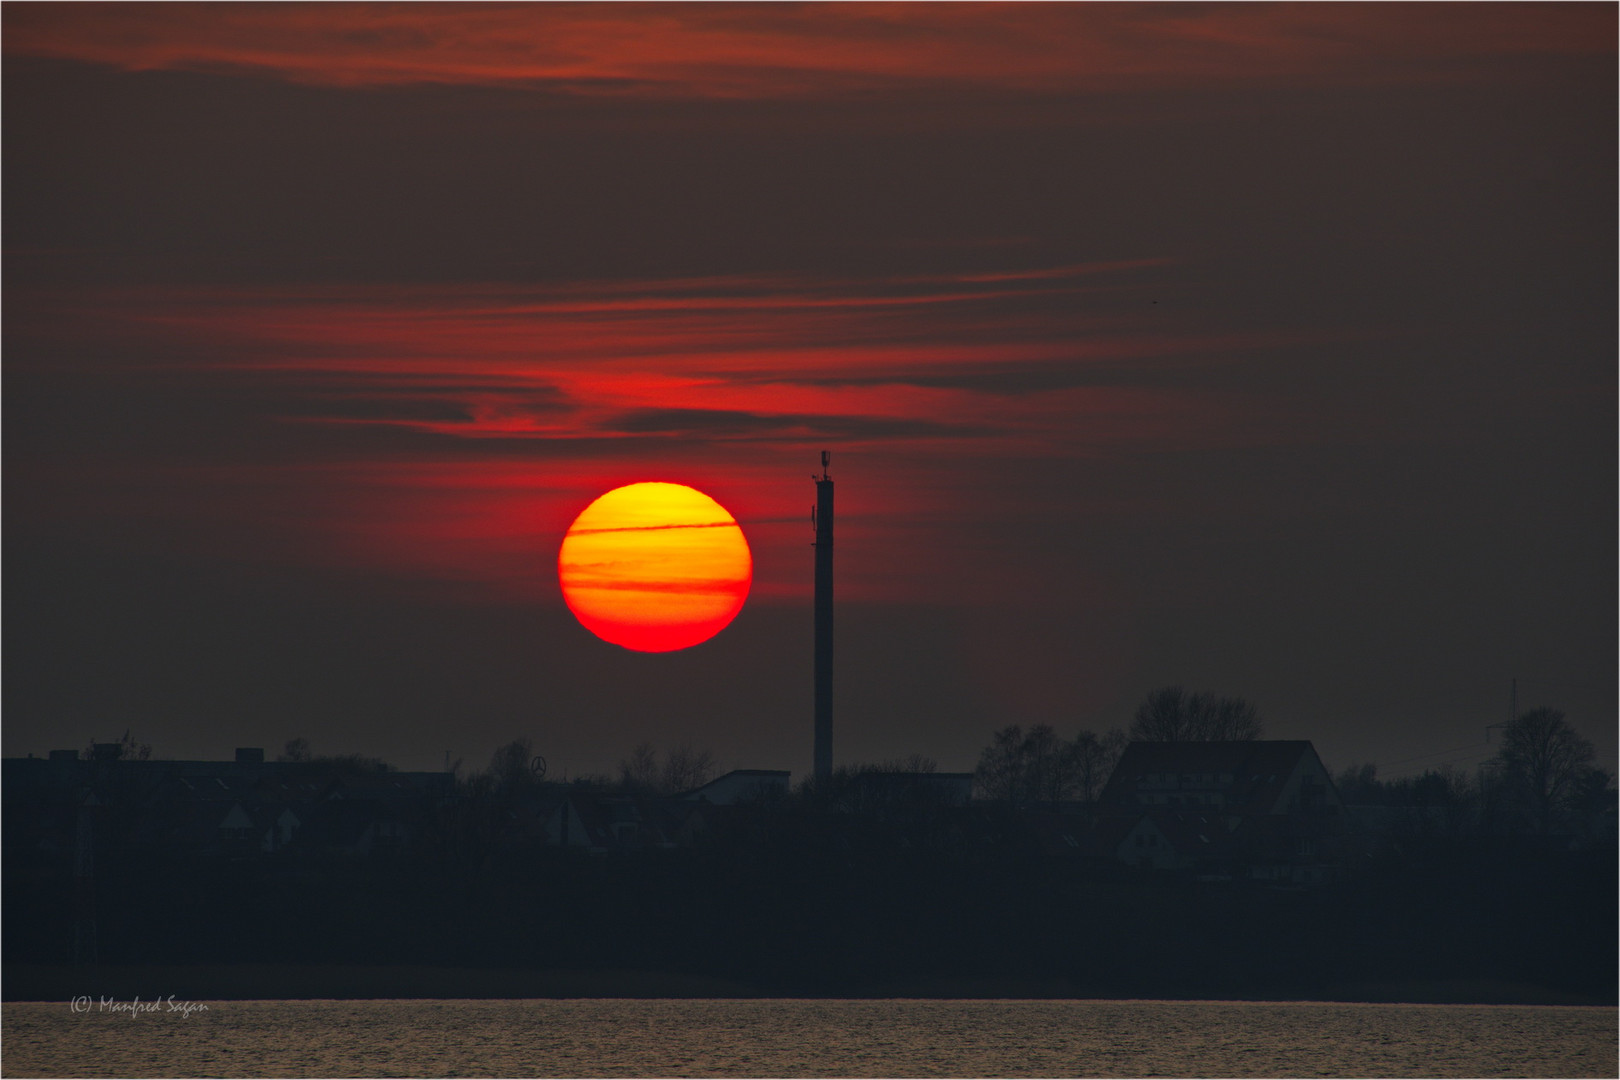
point(899, 1038)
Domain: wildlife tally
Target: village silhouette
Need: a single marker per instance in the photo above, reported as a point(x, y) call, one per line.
point(1186, 857)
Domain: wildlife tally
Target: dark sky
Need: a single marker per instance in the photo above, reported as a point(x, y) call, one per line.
point(1268, 350)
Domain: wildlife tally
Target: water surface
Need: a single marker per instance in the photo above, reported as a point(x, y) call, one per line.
point(793, 1038)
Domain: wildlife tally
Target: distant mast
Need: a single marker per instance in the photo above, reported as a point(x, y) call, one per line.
point(821, 517)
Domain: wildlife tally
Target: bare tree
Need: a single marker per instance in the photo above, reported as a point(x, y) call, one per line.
point(687, 767)
point(1358, 784)
point(1048, 775)
point(1025, 768)
point(1162, 716)
point(911, 763)
point(1226, 719)
point(1170, 714)
point(639, 771)
point(1452, 794)
point(510, 767)
point(127, 749)
point(1094, 759)
point(1542, 761)
point(1000, 776)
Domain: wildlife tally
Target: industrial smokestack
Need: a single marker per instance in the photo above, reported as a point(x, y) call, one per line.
point(822, 518)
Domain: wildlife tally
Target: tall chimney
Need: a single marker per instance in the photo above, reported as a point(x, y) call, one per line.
point(822, 518)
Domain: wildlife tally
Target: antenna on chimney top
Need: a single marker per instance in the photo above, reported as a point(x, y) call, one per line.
point(826, 459)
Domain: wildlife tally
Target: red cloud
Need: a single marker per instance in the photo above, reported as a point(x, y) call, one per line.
point(750, 51)
point(455, 431)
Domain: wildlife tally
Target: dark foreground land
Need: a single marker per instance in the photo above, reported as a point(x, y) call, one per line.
point(784, 916)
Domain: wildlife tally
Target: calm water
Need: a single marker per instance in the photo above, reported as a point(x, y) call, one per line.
point(669, 1038)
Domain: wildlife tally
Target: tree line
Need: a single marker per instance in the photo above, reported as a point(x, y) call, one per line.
point(1541, 780)
point(1039, 768)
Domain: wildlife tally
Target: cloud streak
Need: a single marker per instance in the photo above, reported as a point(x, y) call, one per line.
point(654, 528)
point(454, 431)
point(752, 51)
point(736, 360)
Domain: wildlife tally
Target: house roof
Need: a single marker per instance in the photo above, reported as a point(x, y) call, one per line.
point(1258, 769)
point(748, 779)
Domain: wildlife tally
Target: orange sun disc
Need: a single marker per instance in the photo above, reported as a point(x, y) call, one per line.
point(655, 567)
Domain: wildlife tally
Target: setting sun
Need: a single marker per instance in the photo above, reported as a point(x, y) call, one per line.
point(655, 567)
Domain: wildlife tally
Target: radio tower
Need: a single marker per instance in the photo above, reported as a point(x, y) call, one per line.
point(821, 517)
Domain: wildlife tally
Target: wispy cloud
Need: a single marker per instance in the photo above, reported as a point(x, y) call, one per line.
point(813, 50)
point(457, 431)
point(884, 358)
point(655, 528)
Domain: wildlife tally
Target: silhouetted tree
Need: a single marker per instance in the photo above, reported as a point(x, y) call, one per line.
point(295, 750)
point(1542, 763)
point(639, 771)
point(884, 788)
point(687, 767)
point(911, 763)
point(684, 767)
point(1027, 768)
point(127, 749)
point(1449, 796)
point(1592, 798)
point(1359, 784)
point(1170, 714)
point(1050, 772)
point(1094, 758)
point(998, 775)
point(350, 764)
point(511, 766)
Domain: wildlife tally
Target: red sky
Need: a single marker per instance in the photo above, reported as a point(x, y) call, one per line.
point(769, 50)
point(1262, 348)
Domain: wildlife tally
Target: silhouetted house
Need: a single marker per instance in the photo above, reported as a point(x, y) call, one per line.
point(1056, 834)
point(237, 826)
point(275, 825)
point(365, 814)
point(240, 808)
point(291, 788)
point(703, 822)
point(1260, 809)
point(1269, 778)
point(1162, 841)
point(600, 822)
point(206, 828)
point(352, 829)
point(578, 822)
point(740, 785)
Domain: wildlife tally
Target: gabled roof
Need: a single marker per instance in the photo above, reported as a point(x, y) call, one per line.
point(739, 783)
point(1258, 770)
point(588, 818)
point(603, 817)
